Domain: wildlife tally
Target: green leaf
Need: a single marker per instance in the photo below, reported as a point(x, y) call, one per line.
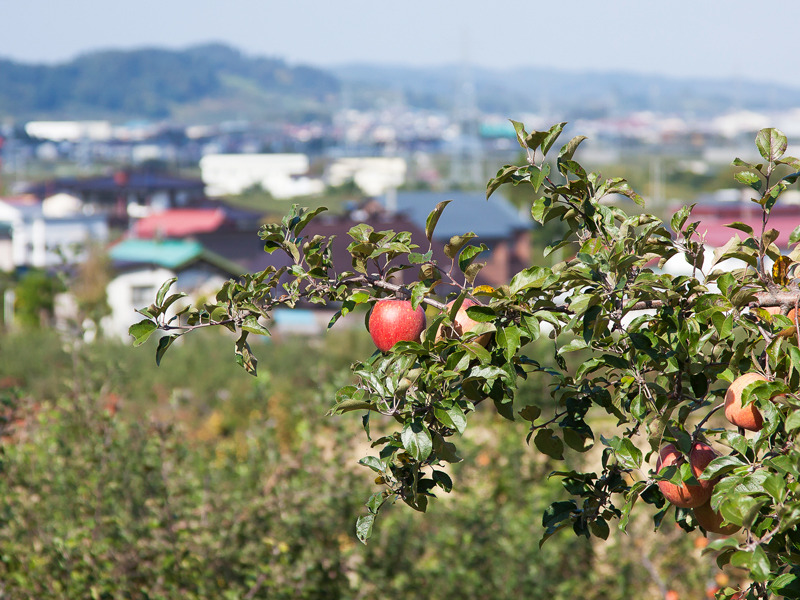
point(468, 255)
point(163, 344)
point(551, 137)
point(443, 480)
point(538, 175)
point(795, 235)
point(251, 324)
point(418, 295)
point(433, 218)
point(504, 175)
point(759, 563)
point(721, 465)
point(741, 227)
point(532, 277)
point(471, 272)
point(244, 356)
point(306, 219)
point(141, 331)
point(373, 462)
point(456, 243)
point(680, 217)
point(458, 418)
point(519, 128)
point(748, 178)
point(578, 440)
point(508, 338)
point(771, 143)
point(735, 440)
point(630, 501)
point(375, 502)
point(775, 486)
point(535, 138)
point(599, 528)
point(793, 421)
point(530, 413)
point(417, 439)
point(350, 404)
point(786, 585)
point(364, 527)
point(162, 291)
point(549, 444)
point(481, 314)
point(568, 149)
point(628, 455)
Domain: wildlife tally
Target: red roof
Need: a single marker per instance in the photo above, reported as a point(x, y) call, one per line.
point(180, 222)
point(717, 234)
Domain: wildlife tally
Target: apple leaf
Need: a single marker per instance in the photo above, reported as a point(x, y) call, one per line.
point(433, 218)
point(417, 439)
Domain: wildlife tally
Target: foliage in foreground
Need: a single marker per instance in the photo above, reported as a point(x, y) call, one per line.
point(660, 374)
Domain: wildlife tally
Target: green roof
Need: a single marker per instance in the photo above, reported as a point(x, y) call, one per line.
point(171, 254)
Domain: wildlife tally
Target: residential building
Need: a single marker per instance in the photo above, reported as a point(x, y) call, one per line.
point(282, 175)
point(373, 175)
point(496, 222)
point(143, 265)
point(125, 194)
point(39, 240)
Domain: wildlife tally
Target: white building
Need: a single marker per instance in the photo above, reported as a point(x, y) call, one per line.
point(69, 131)
point(282, 175)
point(373, 175)
point(143, 265)
point(38, 239)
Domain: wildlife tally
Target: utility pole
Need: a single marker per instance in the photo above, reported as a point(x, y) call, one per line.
point(466, 157)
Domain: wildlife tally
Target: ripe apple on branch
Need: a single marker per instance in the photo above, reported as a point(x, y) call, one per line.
point(663, 374)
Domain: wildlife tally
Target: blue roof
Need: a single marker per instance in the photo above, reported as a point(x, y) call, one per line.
point(469, 211)
point(167, 253)
point(170, 254)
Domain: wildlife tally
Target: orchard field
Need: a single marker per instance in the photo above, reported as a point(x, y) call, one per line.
point(195, 480)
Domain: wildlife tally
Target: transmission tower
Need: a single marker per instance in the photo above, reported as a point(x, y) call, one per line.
point(466, 157)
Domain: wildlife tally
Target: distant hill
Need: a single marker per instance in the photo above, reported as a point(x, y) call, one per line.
point(571, 94)
point(214, 82)
point(210, 82)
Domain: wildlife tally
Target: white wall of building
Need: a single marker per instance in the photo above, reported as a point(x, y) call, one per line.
point(60, 131)
point(132, 290)
point(373, 175)
point(36, 240)
point(282, 175)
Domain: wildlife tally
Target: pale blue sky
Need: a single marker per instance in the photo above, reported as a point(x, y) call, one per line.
point(702, 38)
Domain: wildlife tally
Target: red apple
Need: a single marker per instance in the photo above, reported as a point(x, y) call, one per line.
point(747, 417)
point(394, 321)
point(687, 496)
point(463, 324)
point(711, 520)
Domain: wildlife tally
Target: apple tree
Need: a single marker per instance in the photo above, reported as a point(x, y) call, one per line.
point(657, 353)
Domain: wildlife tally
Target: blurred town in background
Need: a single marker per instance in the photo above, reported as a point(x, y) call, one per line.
point(169, 161)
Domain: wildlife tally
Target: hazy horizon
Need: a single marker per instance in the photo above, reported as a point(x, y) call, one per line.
point(681, 39)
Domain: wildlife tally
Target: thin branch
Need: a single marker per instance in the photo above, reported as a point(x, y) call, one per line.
point(703, 421)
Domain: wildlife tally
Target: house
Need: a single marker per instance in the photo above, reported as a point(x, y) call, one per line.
point(717, 210)
point(227, 231)
point(39, 239)
point(125, 194)
point(6, 247)
point(282, 175)
point(143, 265)
point(496, 222)
point(71, 131)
